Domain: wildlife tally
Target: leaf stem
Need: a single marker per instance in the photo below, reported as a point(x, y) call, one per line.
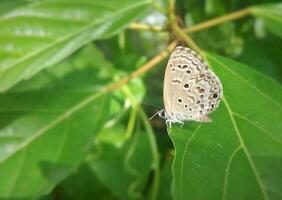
point(133, 113)
point(186, 38)
point(178, 32)
point(146, 27)
point(149, 65)
point(156, 158)
point(198, 27)
point(152, 140)
point(219, 20)
point(131, 123)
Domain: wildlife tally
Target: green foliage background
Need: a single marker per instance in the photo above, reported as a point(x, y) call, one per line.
point(79, 78)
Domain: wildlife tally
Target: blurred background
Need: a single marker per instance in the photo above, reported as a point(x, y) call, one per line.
point(71, 129)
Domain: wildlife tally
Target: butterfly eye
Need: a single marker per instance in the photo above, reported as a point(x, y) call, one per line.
point(163, 113)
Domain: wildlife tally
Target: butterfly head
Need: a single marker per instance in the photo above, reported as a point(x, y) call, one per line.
point(162, 113)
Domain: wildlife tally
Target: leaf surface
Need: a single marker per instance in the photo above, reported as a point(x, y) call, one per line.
point(42, 33)
point(239, 154)
point(45, 134)
point(124, 169)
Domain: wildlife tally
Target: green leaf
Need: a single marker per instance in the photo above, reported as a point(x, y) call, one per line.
point(165, 181)
point(256, 55)
point(83, 184)
point(45, 135)
point(39, 35)
point(271, 14)
point(239, 154)
point(7, 6)
point(78, 63)
point(124, 169)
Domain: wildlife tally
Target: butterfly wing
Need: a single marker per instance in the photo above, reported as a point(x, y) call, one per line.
point(168, 87)
point(191, 90)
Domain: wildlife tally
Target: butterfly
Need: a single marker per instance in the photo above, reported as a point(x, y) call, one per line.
point(191, 90)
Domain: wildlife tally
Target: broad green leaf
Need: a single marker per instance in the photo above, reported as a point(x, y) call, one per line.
point(39, 35)
point(164, 192)
point(124, 169)
point(82, 185)
point(256, 55)
point(239, 154)
point(45, 134)
point(7, 6)
point(81, 60)
point(271, 14)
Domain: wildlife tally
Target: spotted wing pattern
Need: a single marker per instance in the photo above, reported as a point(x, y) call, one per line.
point(191, 90)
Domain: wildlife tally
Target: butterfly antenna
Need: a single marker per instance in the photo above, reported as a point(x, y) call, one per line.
point(157, 112)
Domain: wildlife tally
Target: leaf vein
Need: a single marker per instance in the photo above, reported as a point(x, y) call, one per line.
point(53, 123)
point(61, 41)
point(183, 157)
point(258, 127)
point(70, 35)
point(245, 80)
point(225, 184)
point(251, 162)
point(22, 160)
point(65, 135)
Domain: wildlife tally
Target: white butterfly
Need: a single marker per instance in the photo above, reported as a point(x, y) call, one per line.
point(191, 90)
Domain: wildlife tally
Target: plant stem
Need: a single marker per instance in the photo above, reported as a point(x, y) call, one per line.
point(145, 27)
point(149, 65)
point(179, 33)
point(186, 38)
point(219, 20)
point(131, 123)
point(153, 144)
point(156, 157)
point(198, 27)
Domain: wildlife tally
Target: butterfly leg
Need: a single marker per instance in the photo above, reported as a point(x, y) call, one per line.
point(181, 123)
point(168, 123)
